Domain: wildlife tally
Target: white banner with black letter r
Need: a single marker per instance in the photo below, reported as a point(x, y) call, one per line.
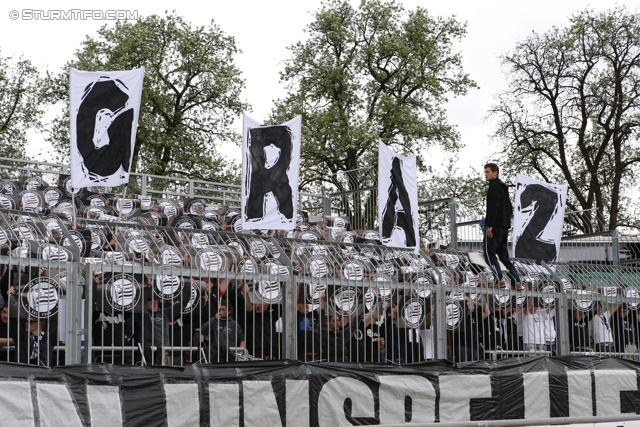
point(398, 199)
point(270, 170)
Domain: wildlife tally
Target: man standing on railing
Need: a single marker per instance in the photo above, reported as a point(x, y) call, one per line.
point(497, 223)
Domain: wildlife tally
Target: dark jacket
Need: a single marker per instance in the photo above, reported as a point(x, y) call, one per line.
point(622, 329)
point(579, 338)
point(499, 208)
point(35, 350)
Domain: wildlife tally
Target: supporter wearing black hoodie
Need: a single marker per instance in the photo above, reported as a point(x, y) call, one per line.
point(498, 222)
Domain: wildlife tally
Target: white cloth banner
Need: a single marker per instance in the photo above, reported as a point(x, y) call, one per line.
point(105, 107)
point(398, 199)
point(270, 174)
point(538, 218)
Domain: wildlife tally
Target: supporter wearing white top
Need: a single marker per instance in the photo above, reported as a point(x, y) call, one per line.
point(550, 330)
point(531, 322)
point(602, 336)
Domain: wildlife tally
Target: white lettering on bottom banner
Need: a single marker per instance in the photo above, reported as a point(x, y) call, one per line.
point(56, 406)
point(224, 404)
point(16, 404)
point(104, 405)
point(609, 384)
point(333, 395)
point(183, 407)
point(260, 406)
point(537, 403)
point(456, 392)
point(580, 394)
point(297, 403)
point(394, 389)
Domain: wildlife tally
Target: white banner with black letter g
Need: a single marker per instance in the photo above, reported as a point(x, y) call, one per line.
point(270, 174)
point(105, 107)
point(398, 199)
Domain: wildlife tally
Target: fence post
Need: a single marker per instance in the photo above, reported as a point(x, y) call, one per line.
point(290, 309)
point(290, 332)
point(73, 325)
point(562, 315)
point(562, 325)
point(326, 206)
point(73, 309)
point(143, 184)
point(454, 225)
point(615, 248)
point(439, 320)
point(88, 315)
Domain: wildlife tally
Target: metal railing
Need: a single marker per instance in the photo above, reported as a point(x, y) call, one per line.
point(123, 288)
point(444, 223)
point(139, 183)
point(124, 292)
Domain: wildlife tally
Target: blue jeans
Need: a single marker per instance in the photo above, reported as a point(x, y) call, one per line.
point(550, 346)
point(495, 248)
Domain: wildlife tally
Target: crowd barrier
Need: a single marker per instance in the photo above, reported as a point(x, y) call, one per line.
point(128, 292)
point(591, 391)
point(450, 223)
point(101, 277)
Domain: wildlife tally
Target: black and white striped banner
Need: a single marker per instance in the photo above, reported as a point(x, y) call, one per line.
point(279, 393)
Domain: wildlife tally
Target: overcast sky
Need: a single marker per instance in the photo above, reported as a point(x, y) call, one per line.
point(494, 26)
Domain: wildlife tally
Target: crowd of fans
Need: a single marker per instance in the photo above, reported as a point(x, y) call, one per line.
point(209, 291)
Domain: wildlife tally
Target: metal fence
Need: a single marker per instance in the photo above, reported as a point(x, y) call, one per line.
point(130, 293)
point(44, 175)
point(85, 285)
point(447, 223)
point(558, 309)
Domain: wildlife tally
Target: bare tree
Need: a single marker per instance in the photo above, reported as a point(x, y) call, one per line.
point(571, 112)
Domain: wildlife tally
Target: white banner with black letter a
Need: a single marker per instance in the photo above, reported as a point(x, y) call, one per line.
point(105, 106)
point(270, 170)
point(398, 199)
point(538, 218)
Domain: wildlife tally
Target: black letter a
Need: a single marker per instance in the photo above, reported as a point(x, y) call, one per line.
point(401, 219)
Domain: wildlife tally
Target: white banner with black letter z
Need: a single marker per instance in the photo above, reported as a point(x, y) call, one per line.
point(398, 199)
point(270, 174)
point(538, 218)
point(105, 106)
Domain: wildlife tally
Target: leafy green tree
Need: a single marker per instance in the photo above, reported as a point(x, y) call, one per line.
point(571, 113)
point(377, 72)
point(439, 192)
point(190, 97)
point(21, 106)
